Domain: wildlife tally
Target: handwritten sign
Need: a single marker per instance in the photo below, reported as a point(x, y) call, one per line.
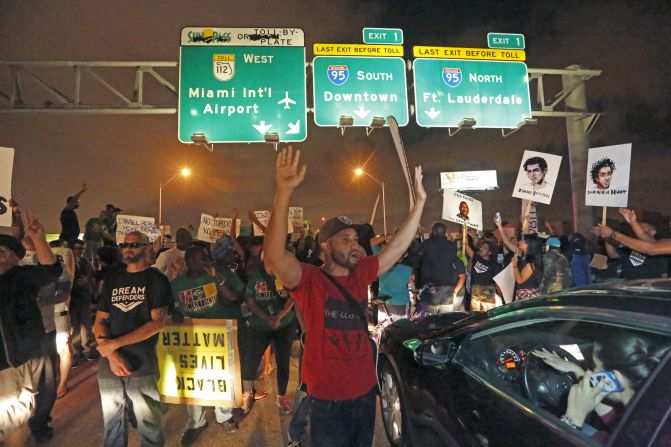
point(199, 363)
point(6, 168)
point(462, 209)
point(608, 176)
point(264, 217)
point(296, 218)
point(212, 228)
point(126, 224)
point(537, 176)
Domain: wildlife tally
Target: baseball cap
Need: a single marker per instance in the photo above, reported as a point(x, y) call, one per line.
point(553, 242)
point(334, 225)
point(114, 208)
point(12, 244)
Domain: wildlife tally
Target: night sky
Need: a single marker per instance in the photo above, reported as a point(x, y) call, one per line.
point(123, 158)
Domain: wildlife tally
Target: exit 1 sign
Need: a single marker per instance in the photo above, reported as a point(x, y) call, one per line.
point(506, 41)
point(388, 36)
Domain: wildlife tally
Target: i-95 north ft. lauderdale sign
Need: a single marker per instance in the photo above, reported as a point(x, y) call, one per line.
point(239, 84)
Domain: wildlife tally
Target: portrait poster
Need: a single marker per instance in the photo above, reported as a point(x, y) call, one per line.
point(608, 176)
point(212, 228)
point(126, 224)
point(462, 209)
point(6, 168)
point(537, 176)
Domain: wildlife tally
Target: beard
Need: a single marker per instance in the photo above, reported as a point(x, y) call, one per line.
point(349, 261)
point(132, 259)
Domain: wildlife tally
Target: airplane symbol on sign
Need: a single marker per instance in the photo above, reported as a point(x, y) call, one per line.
point(286, 101)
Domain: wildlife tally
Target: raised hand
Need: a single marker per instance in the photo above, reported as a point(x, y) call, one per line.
point(629, 215)
point(288, 175)
point(32, 227)
point(419, 187)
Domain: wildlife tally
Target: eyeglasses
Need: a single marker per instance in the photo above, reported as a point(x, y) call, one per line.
point(132, 244)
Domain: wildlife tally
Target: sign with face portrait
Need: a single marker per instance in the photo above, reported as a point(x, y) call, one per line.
point(462, 209)
point(608, 175)
point(537, 176)
point(6, 167)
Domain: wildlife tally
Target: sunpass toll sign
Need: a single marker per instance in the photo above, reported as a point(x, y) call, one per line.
point(360, 87)
point(238, 84)
point(494, 93)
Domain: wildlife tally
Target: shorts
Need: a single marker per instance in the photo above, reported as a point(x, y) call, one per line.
point(18, 387)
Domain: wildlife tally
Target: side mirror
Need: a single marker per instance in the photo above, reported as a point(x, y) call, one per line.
point(435, 352)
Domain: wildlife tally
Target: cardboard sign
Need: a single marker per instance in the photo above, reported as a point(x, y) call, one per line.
point(264, 218)
point(608, 176)
point(296, 219)
point(537, 176)
point(212, 228)
point(199, 363)
point(462, 209)
point(6, 168)
point(533, 216)
point(505, 279)
point(126, 224)
point(599, 262)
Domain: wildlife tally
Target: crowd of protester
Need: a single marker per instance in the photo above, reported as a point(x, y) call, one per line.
point(76, 300)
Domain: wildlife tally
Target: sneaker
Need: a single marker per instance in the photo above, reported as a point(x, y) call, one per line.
point(247, 401)
point(283, 403)
point(258, 395)
point(91, 355)
point(190, 435)
point(230, 426)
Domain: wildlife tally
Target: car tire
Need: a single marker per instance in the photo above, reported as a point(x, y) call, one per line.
point(391, 404)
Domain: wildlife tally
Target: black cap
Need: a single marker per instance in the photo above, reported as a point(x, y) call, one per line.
point(334, 225)
point(114, 208)
point(13, 244)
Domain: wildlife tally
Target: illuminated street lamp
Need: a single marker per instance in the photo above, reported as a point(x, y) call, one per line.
point(184, 172)
point(359, 172)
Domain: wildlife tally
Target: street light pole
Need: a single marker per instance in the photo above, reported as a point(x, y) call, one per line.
point(185, 172)
point(384, 202)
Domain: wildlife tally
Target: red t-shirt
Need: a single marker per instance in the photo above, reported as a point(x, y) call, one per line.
point(338, 360)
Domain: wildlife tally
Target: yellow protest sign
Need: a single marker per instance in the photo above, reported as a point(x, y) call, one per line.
point(340, 49)
point(492, 54)
point(199, 363)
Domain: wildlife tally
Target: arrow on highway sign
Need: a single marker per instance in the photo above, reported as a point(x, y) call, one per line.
point(294, 127)
point(433, 113)
point(361, 112)
point(262, 127)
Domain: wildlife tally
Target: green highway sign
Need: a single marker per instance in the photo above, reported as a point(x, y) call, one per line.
point(360, 87)
point(238, 84)
point(505, 41)
point(494, 93)
point(389, 36)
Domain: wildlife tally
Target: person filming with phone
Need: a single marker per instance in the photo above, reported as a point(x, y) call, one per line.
point(622, 361)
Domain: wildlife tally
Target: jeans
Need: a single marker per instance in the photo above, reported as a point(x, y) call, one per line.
point(197, 414)
point(343, 423)
point(300, 418)
point(146, 407)
point(46, 396)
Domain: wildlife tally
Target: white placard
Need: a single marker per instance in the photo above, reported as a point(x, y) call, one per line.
point(469, 180)
point(608, 176)
point(537, 176)
point(212, 228)
point(126, 224)
point(6, 168)
point(462, 209)
point(296, 219)
point(505, 279)
point(264, 217)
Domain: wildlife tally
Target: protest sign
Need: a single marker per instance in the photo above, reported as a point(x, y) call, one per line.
point(608, 176)
point(126, 224)
point(537, 176)
point(6, 168)
point(462, 209)
point(212, 228)
point(296, 219)
point(599, 262)
point(505, 279)
point(530, 214)
point(199, 363)
point(264, 217)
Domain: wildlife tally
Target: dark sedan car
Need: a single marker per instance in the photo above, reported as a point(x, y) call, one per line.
point(455, 380)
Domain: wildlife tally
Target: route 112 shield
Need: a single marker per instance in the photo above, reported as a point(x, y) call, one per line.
point(223, 66)
point(338, 74)
point(452, 76)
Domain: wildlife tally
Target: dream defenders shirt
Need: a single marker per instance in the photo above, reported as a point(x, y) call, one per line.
point(129, 299)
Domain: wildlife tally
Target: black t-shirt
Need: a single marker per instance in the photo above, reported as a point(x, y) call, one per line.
point(129, 298)
point(439, 264)
point(482, 271)
point(82, 295)
point(69, 225)
point(636, 265)
point(534, 281)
